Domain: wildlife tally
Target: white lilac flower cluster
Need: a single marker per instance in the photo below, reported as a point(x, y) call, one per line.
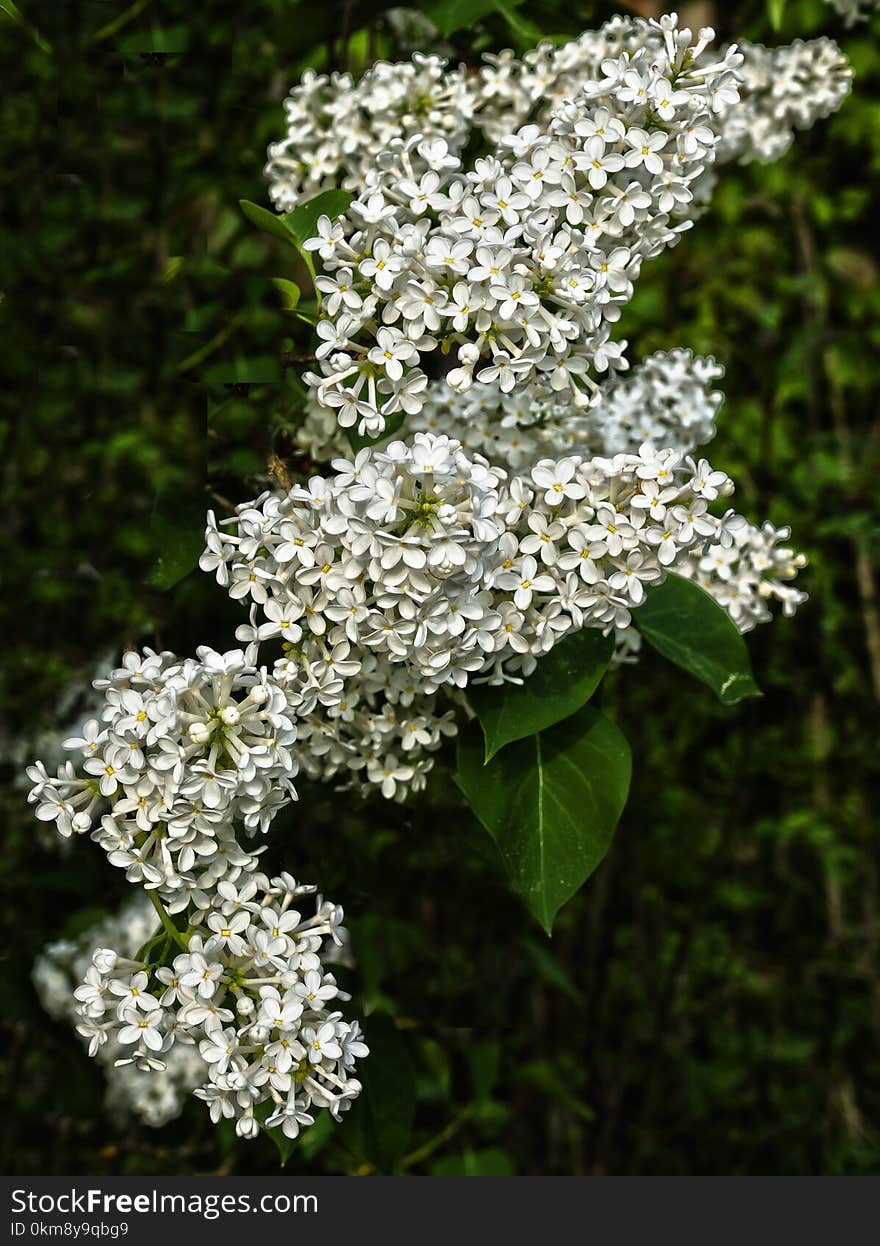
point(155, 1097)
point(185, 752)
point(380, 737)
point(783, 90)
point(854, 11)
point(431, 569)
point(181, 751)
point(522, 265)
point(746, 568)
point(335, 126)
point(667, 400)
point(247, 989)
point(434, 562)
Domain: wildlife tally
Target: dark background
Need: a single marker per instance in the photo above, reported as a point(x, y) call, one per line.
point(710, 1002)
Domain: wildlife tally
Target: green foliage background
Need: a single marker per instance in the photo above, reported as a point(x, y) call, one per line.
point(710, 1002)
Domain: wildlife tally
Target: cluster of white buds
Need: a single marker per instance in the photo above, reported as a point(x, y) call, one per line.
point(245, 985)
point(335, 126)
point(745, 568)
point(183, 749)
point(155, 1097)
point(522, 265)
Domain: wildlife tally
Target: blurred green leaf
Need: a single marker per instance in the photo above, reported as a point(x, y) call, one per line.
point(177, 534)
point(268, 222)
point(379, 1126)
point(492, 1162)
point(11, 10)
point(289, 291)
point(776, 12)
point(451, 15)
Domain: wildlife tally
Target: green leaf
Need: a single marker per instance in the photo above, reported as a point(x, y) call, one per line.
point(563, 681)
point(484, 1059)
point(177, 534)
point(527, 31)
point(83, 919)
point(548, 1077)
point(379, 1125)
point(552, 971)
point(775, 11)
point(392, 425)
point(451, 15)
point(289, 291)
point(269, 222)
point(550, 802)
point(683, 623)
point(491, 1162)
point(12, 11)
point(303, 221)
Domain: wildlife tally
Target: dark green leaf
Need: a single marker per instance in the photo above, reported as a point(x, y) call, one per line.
point(303, 221)
point(683, 623)
point(177, 534)
point(379, 1125)
point(550, 802)
point(269, 222)
point(552, 971)
point(520, 26)
point(289, 292)
point(83, 919)
point(484, 1059)
point(491, 1162)
point(451, 15)
point(563, 681)
point(11, 10)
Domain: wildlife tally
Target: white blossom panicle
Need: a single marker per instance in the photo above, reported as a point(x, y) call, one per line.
point(780, 89)
point(522, 265)
point(431, 569)
point(335, 126)
point(381, 736)
point(745, 568)
point(783, 89)
point(666, 400)
point(247, 988)
point(182, 749)
point(436, 563)
point(155, 1098)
